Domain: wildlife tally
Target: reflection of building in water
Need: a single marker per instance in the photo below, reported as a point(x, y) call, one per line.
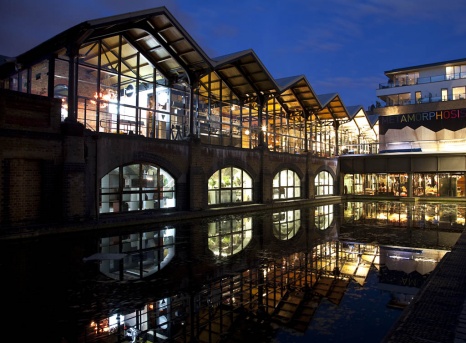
point(284, 286)
point(407, 214)
point(324, 216)
point(403, 271)
point(137, 255)
point(286, 224)
point(269, 291)
point(229, 236)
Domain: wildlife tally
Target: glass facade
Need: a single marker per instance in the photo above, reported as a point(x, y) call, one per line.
point(120, 89)
point(406, 185)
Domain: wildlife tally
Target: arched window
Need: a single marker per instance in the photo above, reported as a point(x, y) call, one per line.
point(229, 185)
point(323, 183)
point(136, 187)
point(286, 185)
point(286, 224)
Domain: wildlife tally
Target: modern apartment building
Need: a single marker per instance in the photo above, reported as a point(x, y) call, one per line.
point(427, 83)
point(422, 132)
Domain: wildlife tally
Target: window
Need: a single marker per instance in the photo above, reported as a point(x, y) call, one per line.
point(455, 72)
point(458, 93)
point(324, 184)
point(229, 185)
point(418, 97)
point(444, 94)
point(286, 185)
point(136, 187)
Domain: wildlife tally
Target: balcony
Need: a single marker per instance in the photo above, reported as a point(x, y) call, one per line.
point(422, 80)
point(396, 100)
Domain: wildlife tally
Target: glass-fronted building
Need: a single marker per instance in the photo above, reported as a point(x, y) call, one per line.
point(142, 75)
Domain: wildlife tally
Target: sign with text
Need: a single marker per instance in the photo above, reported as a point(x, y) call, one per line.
point(452, 120)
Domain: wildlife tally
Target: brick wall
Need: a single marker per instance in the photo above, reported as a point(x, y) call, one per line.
point(50, 171)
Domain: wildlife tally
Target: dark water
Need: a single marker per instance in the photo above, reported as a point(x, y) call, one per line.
point(203, 281)
point(362, 316)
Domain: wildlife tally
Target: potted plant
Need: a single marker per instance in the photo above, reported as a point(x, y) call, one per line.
point(212, 183)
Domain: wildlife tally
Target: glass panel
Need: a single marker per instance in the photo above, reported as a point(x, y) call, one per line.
point(61, 85)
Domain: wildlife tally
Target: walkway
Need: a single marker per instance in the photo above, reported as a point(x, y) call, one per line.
point(438, 312)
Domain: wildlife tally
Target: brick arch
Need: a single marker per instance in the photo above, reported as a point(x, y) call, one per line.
point(147, 158)
point(291, 167)
point(235, 163)
point(324, 168)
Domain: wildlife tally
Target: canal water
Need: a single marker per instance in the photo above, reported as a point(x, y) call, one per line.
point(329, 273)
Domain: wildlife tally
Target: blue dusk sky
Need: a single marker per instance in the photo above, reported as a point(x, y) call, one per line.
point(340, 46)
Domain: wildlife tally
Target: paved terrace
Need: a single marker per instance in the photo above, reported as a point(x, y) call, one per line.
point(438, 311)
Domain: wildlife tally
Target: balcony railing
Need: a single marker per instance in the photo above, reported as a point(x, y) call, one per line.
point(394, 101)
point(422, 80)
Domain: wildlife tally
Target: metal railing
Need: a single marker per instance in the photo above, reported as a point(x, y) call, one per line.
point(422, 80)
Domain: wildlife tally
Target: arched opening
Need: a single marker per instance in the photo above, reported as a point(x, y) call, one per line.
point(286, 185)
point(137, 187)
point(323, 183)
point(229, 185)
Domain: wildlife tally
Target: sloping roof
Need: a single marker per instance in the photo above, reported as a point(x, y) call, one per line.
point(296, 94)
point(332, 108)
point(244, 74)
point(163, 42)
point(353, 110)
point(155, 32)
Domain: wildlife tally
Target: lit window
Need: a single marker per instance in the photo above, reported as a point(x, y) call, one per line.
point(229, 185)
point(137, 187)
point(286, 185)
point(323, 183)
